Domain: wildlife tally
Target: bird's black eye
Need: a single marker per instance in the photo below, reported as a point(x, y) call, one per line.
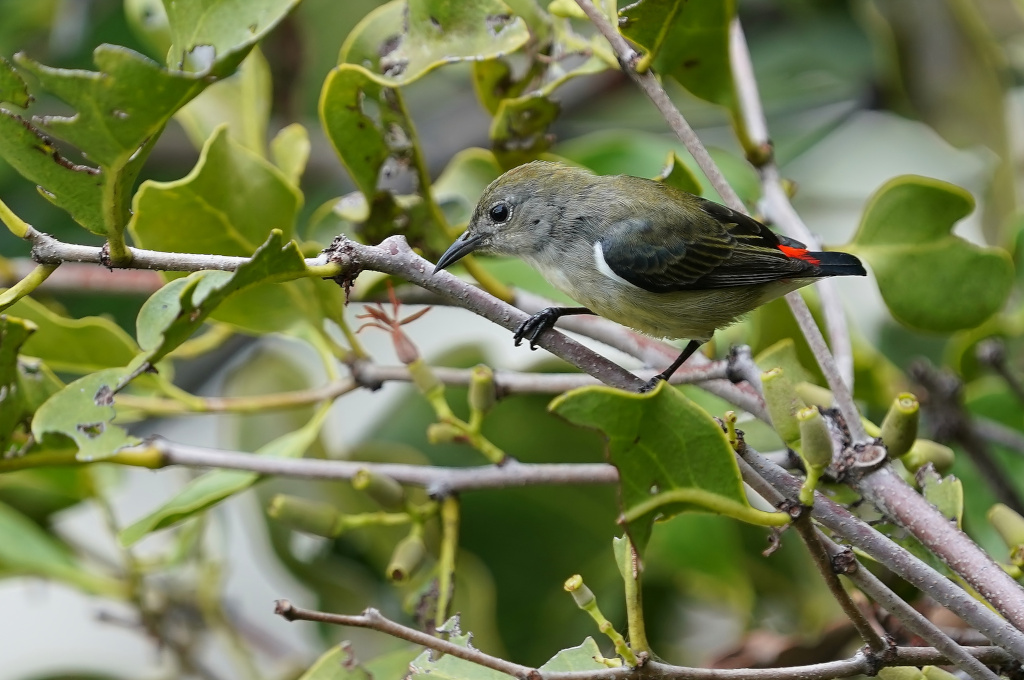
point(500, 213)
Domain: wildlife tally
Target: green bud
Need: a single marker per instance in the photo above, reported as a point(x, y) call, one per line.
point(926, 451)
point(1010, 526)
point(388, 493)
point(583, 595)
point(443, 433)
point(482, 393)
point(320, 519)
point(814, 395)
point(406, 558)
point(815, 441)
point(783, 403)
point(899, 429)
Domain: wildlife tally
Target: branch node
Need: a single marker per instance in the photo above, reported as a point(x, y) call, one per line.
point(343, 253)
point(284, 609)
point(845, 562)
point(105, 258)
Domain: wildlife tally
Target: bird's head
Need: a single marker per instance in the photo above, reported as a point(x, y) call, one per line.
point(517, 211)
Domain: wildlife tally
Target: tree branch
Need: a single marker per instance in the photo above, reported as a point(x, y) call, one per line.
point(895, 558)
point(651, 670)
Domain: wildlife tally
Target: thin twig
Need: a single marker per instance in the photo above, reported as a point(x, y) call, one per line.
point(821, 558)
point(651, 670)
point(999, 434)
point(894, 557)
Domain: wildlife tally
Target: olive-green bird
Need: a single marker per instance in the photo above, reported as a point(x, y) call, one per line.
point(638, 252)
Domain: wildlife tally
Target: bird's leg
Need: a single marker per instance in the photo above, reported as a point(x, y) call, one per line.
point(687, 352)
point(543, 320)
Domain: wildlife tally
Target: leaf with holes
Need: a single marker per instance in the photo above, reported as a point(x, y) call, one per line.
point(930, 279)
point(405, 39)
point(13, 333)
point(664, 446)
point(84, 412)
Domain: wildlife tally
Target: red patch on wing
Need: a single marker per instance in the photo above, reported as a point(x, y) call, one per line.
point(799, 254)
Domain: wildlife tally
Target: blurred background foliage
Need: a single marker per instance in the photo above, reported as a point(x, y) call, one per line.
point(856, 92)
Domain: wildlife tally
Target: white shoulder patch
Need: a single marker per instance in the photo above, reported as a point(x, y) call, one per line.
point(602, 266)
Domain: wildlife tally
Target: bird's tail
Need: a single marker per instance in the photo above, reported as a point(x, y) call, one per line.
point(838, 264)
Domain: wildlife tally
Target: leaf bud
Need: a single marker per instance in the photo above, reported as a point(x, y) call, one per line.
point(388, 493)
point(1010, 527)
point(583, 595)
point(899, 429)
point(406, 558)
point(926, 451)
point(482, 393)
point(319, 519)
point(783, 403)
point(815, 441)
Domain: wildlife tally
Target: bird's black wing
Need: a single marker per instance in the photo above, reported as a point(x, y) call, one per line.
point(708, 246)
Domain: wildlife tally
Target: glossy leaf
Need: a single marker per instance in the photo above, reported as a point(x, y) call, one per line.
point(519, 128)
point(686, 40)
point(84, 412)
point(930, 279)
point(337, 663)
point(211, 488)
point(403, 40)
point(660, 442)
point(678, 176)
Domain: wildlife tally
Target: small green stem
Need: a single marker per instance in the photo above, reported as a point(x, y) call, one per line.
point(586, 601)
point(810, 483)
point(26, 285)
point(118, 249)
point(710, 501)
point(632, 570)
point(15, 224)
point(136, 457)
point(446, 558)
point(322, 271)
point(255, 404)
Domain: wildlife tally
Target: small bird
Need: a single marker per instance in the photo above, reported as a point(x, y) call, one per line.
point(638, 252)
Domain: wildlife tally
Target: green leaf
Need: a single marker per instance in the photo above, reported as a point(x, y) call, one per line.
point(945, 493)
point(930, 279)
point(172, 314)
point(404, 40)
point(229, 27)
point(686, 40)
point(38, 383)
point(783, 355)
point(677, 175)
point(119, 113)
point(13, 333)
point(660, 442)
point(581, 658)
point(337, 663)
point(449, 667)
point(241, 101)
point(26, 548)
point(289, 149)
point(213, 487)
point(519, 128)
point(355, 130)
point(12, 87)
point(84, 412)
point(74, 345)
point(227, 205)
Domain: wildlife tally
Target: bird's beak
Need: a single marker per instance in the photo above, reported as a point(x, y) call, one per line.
point(465, 244)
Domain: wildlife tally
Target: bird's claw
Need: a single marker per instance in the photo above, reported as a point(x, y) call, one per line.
point(651, 384)
point(535, 325)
